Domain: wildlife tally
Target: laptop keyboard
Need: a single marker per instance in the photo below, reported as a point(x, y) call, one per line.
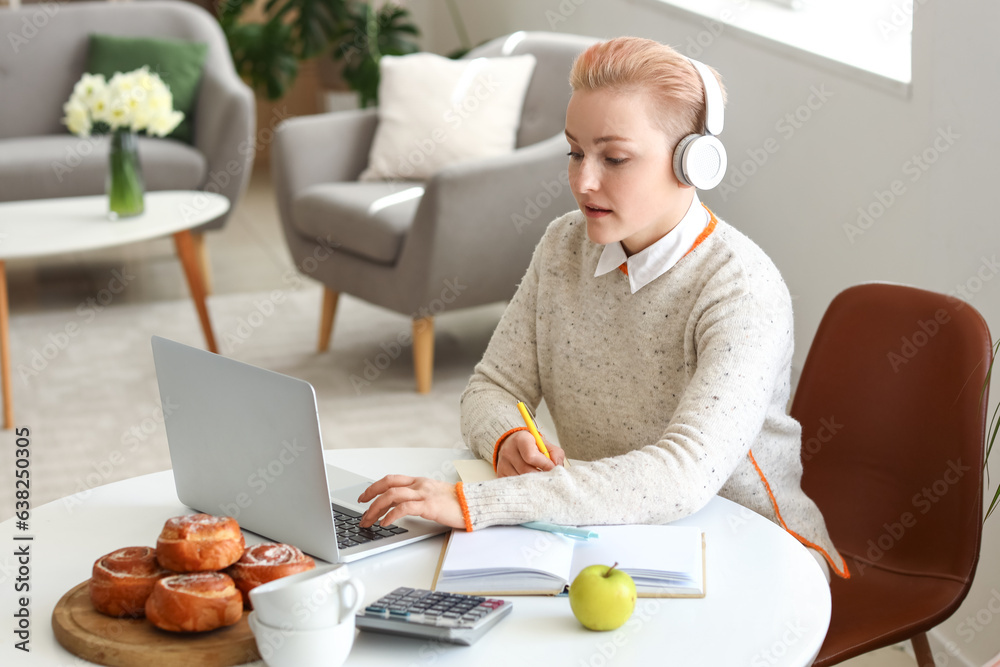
point(350, 534)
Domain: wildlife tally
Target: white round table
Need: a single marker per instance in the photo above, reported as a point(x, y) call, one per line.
point(767, 601)
point(43, 227)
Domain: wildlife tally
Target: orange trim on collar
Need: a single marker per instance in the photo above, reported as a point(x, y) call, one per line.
point(846, 574)
point(460, 492)
point(709, 228)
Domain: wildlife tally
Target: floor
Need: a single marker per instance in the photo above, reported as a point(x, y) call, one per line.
point(247, 256)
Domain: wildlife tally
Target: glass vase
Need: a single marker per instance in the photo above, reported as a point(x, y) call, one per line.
point(125, 187)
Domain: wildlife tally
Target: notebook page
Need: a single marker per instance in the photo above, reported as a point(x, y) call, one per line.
point(474, 470)
point(507, 548)
point(644, 549)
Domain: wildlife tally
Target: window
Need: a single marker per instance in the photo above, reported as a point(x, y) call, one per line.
point(873, 36)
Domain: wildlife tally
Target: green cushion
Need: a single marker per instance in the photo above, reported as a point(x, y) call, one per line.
point(178, 62)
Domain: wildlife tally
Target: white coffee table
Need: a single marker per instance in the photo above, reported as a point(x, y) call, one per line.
point(43, 227)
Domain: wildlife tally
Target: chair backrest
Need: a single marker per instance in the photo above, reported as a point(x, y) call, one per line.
point(544, 111)
point(893, 428)
point(46, 45)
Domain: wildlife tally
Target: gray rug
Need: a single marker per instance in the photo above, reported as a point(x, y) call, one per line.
point(84, 384)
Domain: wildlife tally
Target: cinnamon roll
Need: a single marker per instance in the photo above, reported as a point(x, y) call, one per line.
point(122, 580)
point(199, 543)
point(262, 563)
point(195, 602)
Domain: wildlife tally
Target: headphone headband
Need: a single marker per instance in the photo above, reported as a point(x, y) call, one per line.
point(714, 113)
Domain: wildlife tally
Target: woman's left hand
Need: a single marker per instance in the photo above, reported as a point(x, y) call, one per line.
point(397, 496)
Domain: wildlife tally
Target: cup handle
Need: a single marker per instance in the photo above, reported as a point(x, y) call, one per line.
point(358, 593)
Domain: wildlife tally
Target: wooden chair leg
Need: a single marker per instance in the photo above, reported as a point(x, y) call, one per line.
point(922, 649)
point(423, 353)
point(326, 318)
point(201, 251)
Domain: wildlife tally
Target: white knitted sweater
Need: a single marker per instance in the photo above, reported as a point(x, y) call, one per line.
point(672, 395)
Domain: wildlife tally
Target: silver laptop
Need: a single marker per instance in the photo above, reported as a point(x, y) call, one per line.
point(245, 442)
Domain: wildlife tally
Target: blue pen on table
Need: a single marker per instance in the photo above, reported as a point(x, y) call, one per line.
point(571, 531)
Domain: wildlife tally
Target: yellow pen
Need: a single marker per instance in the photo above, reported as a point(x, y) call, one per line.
point(523, 409)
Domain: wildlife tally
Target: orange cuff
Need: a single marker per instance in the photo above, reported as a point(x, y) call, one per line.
point(460, 492)
point(496, 447)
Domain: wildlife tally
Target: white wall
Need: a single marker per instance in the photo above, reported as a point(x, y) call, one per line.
point(854, 144)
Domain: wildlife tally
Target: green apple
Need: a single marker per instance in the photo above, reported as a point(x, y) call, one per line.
point(601, 597)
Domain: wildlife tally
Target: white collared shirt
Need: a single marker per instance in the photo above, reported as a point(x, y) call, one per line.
point(650, 263)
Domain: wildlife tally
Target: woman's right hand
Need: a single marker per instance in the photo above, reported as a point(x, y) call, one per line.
point(519, 454)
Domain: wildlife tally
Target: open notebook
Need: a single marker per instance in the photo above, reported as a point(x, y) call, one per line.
point(664, 561)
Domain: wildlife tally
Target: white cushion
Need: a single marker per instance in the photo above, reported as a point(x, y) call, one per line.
point(434, 111)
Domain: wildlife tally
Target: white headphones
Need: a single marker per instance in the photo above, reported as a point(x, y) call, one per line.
point(700, 159)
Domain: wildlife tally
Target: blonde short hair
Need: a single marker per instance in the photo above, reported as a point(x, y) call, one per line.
point(634, 64)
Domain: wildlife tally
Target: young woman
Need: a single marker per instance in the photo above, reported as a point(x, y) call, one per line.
point(659, 336)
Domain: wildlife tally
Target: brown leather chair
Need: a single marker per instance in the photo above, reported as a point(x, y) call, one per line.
point(893, 430)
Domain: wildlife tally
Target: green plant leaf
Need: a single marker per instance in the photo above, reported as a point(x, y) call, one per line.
point(314, 23)
point(230, 10)
point(367, 36)
point(992, 430)
point(267, 54)
point(263, 55)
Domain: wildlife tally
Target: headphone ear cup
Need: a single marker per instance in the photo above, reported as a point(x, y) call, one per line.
point(700, 161)
point(679, 158)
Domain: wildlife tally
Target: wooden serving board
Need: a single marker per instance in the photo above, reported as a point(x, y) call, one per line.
point(127, 642)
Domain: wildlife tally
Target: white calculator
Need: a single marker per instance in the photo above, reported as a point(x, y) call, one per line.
point(446, 617)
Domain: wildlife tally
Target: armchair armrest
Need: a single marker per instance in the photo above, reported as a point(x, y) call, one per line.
point(320, 148)
point(224, 133)
point(479, 221)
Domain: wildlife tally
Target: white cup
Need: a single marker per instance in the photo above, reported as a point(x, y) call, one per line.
point(310, 600)
point(284, 647)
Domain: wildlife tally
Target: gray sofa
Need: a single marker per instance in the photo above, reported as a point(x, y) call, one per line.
point(43, 56)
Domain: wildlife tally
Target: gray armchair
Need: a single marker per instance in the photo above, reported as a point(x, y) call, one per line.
point(45, 54)
point(465, 240)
